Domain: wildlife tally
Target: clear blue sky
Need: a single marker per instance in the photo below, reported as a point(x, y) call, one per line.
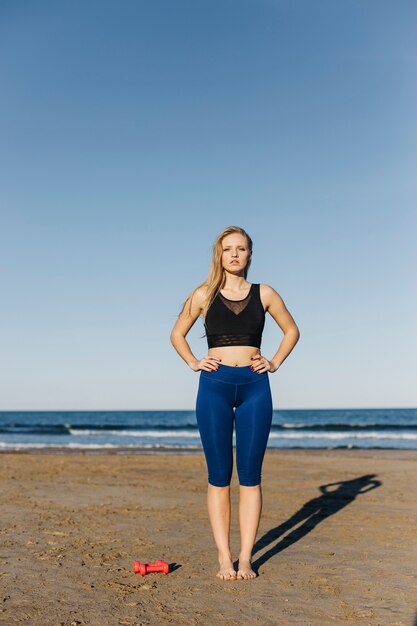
point(132, 132)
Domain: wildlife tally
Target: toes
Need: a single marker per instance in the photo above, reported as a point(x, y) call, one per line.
point(226, 575)
point(244, 575)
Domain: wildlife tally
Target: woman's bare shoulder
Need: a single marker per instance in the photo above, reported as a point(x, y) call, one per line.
point(199, 294)
point(267, 290)
point(269, 294)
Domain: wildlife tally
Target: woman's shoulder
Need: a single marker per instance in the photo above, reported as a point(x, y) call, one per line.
point(267, 294)
point(266, 289)
point(199, 294)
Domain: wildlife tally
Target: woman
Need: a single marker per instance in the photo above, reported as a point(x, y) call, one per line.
point(234, 375)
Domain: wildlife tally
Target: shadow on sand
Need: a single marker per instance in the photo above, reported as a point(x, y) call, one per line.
point(311, 514)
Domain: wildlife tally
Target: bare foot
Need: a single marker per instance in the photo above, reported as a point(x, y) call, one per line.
point(226, 571)
point(245, 571)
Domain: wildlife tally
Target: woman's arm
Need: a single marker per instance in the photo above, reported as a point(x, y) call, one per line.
point(184, 323)
point(276, 308)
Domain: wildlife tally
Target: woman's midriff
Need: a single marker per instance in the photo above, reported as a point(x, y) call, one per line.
point(238, 356)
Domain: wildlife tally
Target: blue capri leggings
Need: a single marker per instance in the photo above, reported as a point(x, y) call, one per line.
point(224, 396)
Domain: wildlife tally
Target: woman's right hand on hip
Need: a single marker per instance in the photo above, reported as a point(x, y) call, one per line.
point(207, 363)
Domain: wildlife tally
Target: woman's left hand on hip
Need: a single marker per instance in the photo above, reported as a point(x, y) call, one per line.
point(262, 364)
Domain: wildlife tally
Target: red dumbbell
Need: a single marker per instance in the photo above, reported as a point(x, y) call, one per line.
point(145, 568)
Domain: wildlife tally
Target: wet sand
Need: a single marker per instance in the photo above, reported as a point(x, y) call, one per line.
point(72, 525)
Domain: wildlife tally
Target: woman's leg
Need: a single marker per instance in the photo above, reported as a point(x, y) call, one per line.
point(218, 503)
point(215, 417)
point(253, 424)
point(250, 508)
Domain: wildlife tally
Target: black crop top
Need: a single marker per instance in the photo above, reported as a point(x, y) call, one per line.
point(235, 322)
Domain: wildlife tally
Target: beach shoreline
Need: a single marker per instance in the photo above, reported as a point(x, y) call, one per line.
point(336, 542)
point(141, 450)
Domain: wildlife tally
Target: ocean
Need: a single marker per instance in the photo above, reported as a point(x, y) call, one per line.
point(153, 431)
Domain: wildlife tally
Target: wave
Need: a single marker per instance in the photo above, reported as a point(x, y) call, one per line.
point(273, 435)
point(187, 429)
point(35, 429)
point(92, 446)
point(344, 435)
point(134, 433)
point(64, 429)
point(161, 448)
point(345, 426)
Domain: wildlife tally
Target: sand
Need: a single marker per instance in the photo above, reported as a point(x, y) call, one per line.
point(72, 525)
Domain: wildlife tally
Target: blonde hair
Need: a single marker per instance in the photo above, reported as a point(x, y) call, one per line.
point(216, 277)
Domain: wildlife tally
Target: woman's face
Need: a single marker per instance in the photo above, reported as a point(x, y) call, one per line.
point(236, 253)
